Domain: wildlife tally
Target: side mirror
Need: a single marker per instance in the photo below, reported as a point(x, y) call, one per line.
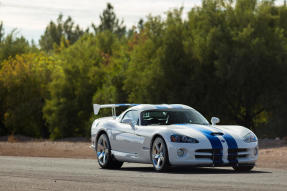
point(130, 122)
point(214, 120)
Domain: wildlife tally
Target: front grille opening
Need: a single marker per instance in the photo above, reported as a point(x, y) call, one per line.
point(237, 150)
point(203, 157)
point(242, 156)
point(216, 154)
point(212, 154)
point(234, 154)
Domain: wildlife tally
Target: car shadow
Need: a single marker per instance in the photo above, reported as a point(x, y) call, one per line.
point(192, 170)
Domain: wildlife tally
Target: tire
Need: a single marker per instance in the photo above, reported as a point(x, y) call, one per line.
point(159, 155)
point(243, 168)
point(105, 158)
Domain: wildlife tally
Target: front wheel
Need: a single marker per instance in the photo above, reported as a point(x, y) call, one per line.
point(105, 158)
point(159, 155)
point(243, 168)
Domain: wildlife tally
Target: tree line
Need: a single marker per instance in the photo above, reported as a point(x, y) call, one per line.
point(226, 59)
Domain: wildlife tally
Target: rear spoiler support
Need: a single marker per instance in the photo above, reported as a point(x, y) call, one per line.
point(97, 107)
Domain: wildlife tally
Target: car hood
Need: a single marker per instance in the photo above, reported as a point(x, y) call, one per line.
point(195, 129)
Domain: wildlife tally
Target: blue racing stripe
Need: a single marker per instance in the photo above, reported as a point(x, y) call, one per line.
point(232, 156)
point(161, 107)
point(214, 141)
point(176, 107)
point(126, 104)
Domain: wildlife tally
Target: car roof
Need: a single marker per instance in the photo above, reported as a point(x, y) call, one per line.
point(159, 106)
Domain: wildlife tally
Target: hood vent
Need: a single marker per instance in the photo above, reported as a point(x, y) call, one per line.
point(217, 133)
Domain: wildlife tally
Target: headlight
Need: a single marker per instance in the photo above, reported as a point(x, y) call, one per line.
point(250, 137)
point(182, 139)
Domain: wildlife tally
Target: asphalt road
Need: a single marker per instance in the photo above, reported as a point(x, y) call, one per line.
point(33, 173)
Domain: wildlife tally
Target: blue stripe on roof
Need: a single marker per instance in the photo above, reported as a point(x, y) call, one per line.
point(168, 107)
point(161, 107)
point(125, 104)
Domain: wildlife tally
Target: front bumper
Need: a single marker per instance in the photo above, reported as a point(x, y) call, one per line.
point(202, 155)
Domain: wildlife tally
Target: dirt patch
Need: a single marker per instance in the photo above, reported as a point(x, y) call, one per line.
point(273, 158)
point(47, 149)
point(21, 138)
point(268, 157)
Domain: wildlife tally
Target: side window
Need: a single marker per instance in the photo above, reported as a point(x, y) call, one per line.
point(133, 115)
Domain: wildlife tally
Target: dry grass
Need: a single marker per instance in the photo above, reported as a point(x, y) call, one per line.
point(275, 157)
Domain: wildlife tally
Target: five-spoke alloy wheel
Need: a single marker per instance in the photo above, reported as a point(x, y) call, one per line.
point(159, 155)
point(103, 150)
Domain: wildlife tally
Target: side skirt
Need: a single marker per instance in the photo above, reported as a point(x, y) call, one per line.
point(128, 157)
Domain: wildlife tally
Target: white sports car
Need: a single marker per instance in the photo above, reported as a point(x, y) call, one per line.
point(165, 135)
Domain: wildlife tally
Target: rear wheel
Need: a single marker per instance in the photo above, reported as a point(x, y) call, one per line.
point(105, 158)
point(243, 168)
point(159, 155)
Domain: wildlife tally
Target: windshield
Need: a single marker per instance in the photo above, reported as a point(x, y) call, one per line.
point(169, 117)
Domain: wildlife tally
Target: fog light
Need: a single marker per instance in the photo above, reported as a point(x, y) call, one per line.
point(180, 152)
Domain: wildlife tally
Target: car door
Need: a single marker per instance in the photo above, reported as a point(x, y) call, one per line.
point(124, 138)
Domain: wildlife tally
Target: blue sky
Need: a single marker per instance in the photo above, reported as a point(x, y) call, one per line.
point(31, 17)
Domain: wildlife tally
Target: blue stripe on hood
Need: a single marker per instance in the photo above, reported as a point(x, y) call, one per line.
point(231, 145)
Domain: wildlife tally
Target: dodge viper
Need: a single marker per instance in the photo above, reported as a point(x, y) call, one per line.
point(170, 135)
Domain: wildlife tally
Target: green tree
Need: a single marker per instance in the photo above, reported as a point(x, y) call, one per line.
point(69, 107)
point(116, 63)
point(60, 33)
point(224, 60)
point(2, 33)
point(3, 129)
point(228, 58)
point(110, 22)
point(246, 53)
point(143, 76)
point(11, 45)
point(24, 80)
